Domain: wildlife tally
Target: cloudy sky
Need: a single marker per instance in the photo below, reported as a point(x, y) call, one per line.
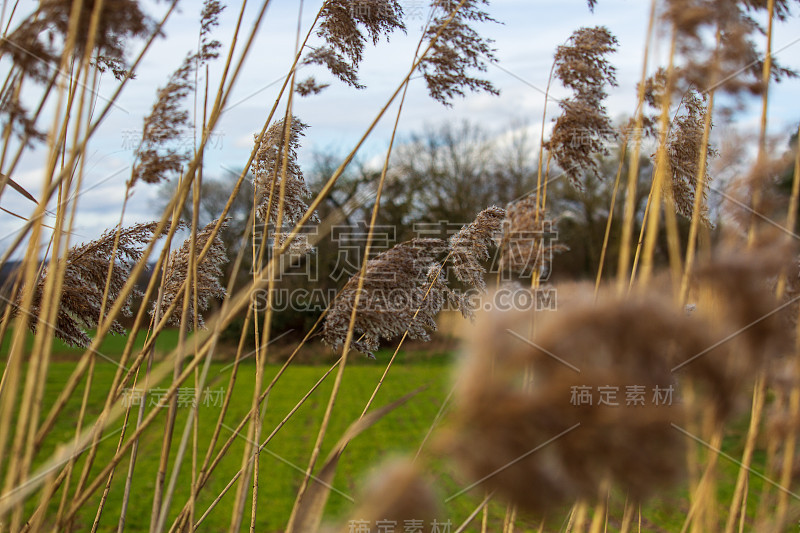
point(525, 42)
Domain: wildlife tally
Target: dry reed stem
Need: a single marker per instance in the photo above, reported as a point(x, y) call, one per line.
point(181, 349)
point(600, 513)
point(627, 517)
point(541, 135)
point(762, 134)
point(332, 219)
point(175, 268)
point(345, 351)
point(181, 194)
point(633, 168)
point(467, 521)
point(254, 431)
point(759, 390)
point(788, 458)
point(659, 181)
point(209, 465)
point(738, 502)
point(53, 286)
point(697, 209)
point(607, 234)
point(383, 177)
point(349, 336)
point(269, 438)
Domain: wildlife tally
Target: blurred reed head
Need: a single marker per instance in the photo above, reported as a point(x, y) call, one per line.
point(735, 65)
point(398, 494)
point(521, 427)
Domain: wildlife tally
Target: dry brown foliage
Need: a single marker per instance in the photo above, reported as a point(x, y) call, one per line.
point(341, 28)
point(470, 246)
point(396, 286)
point(583, 127)
point(205, 286)
point(268, 170)
point(458, 50)
point(528, 243)
point(85, 275)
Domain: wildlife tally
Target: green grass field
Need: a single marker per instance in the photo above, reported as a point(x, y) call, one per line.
point(285, 458)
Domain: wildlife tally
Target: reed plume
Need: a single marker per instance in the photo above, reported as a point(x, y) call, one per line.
point(583, 127)
point(117, 67)
point(655, 88)
point(470, 246)
point(309, 87)
point(736, 63)
point(16, 117)
point(85, 274)
point(209, 19)
point(458, 50)
point(398, 493)
point(155, 159)
point(684, 142)
point(267, 168)
point(206, 285)
point(539, 442)
point(684, 148)
point(341, 29)
point(528, 239)
point(395, 286)
point(169, 120)
point(36, 44)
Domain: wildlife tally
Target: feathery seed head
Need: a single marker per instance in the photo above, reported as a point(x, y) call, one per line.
point(206, 286)
point(470, 246)
point(583, 127)
point(528, 240)
point(85, 275)
point(268, 169)
point(341, 27)
point(457, 50)
point(396, 296)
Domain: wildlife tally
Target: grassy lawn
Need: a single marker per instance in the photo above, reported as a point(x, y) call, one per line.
point(286, 456)
point(112, 345)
